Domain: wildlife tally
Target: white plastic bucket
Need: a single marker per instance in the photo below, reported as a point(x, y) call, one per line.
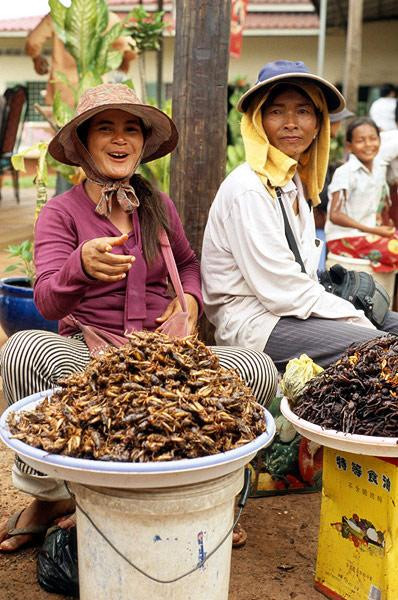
point(165, 532)
point(165, 517)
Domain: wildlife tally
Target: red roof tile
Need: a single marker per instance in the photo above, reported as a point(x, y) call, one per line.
point(251, 2)
point(24, 24)
point(254, 20)
point(280, 20)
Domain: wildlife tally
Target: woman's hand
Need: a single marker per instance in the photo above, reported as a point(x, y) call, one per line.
point(383, 230)
point(175, 307)
point(99, 262)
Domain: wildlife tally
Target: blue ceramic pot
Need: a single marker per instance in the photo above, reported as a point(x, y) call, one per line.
point(17, 307)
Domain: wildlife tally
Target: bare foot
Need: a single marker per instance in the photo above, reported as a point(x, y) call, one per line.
point(239, 536)
point(37, 513)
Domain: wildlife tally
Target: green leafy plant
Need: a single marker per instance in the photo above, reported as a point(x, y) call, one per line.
point(158, 171)
point(146, 29)
point(337, 148)
point(235, 156)
point(83, 27)
point(23, 253)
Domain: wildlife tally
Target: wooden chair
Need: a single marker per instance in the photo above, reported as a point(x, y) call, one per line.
point(13, 117)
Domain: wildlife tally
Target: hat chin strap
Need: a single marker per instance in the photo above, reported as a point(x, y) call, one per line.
point(124, 194)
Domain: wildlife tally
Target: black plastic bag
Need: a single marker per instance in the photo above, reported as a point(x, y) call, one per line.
point(57, 569)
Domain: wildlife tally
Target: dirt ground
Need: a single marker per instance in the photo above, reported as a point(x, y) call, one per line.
point(277, 562)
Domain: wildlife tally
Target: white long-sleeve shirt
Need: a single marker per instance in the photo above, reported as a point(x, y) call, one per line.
point(250, 276)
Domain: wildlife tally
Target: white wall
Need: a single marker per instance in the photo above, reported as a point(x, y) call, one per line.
point(379, 54)
point(379, 58)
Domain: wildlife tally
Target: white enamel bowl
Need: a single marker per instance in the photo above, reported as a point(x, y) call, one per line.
point(130, 475)
point(347, 442)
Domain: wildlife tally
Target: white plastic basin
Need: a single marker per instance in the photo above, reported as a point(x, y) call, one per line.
point(347, 442)
point(130, 475)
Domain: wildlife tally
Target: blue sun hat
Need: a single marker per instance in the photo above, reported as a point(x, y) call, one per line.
point(294, 72)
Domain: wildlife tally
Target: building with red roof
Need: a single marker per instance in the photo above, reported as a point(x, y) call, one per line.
point(273, 29)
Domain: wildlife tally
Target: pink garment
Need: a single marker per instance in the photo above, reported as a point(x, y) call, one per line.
point(62, 287)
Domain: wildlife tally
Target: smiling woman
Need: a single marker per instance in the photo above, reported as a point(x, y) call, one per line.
point(115, 140)
point(290, 120)
point(358, 223)
point(255, 291)
point(101, 269)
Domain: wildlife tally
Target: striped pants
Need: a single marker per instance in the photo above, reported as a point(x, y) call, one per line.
point(323, 340)
point(33, 361)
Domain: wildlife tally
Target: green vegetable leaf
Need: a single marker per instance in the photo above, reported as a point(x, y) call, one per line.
point(58, 13)
point(61, 110)
point(102, 16)
point(113, 60)
point(88, 80)
point(18, 162)
point(80, 26)
point(105, 62)
point(129, 83)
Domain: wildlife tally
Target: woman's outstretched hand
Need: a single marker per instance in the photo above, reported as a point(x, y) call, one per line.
point(100, 263)
point(175, 307)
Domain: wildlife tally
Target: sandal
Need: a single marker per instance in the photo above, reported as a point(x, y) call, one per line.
point(36, 531)
point(239, 536)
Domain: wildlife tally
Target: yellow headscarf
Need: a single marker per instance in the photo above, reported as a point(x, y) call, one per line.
point(274, 167)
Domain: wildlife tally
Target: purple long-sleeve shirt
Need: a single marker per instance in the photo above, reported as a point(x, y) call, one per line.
point(62, 287)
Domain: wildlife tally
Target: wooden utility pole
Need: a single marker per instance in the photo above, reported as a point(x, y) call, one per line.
point(199, 109)
point(353, 53)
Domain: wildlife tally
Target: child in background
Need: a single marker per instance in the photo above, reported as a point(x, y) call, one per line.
point(357, 223)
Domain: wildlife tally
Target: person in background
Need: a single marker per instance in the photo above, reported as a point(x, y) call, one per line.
point(389, 138)
point(256, 293)
point(382, 110)
point(61, 60)
point(358, 224)
point(336, 122)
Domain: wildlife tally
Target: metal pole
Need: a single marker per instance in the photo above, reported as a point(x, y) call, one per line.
point(323, 10)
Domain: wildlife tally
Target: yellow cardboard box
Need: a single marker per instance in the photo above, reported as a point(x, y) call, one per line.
point(357, 556)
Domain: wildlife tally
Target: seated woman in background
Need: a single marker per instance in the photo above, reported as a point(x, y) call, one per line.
point(255, 292)
point(98, 263)
point(357, 223)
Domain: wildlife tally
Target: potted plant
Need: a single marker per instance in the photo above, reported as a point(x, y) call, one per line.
point(17, 308)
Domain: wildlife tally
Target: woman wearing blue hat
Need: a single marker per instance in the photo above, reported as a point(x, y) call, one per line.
point(256, 292)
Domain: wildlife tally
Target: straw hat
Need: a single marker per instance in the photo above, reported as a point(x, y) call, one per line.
point(161, 133)
point(281, 70)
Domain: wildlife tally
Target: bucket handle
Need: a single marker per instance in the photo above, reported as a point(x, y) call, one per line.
point(241, 504)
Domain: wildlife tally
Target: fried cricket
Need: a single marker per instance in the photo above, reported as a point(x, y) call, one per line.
point(154, 399)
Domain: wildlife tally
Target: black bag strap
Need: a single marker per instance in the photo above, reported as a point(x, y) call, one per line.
point(289, 233)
